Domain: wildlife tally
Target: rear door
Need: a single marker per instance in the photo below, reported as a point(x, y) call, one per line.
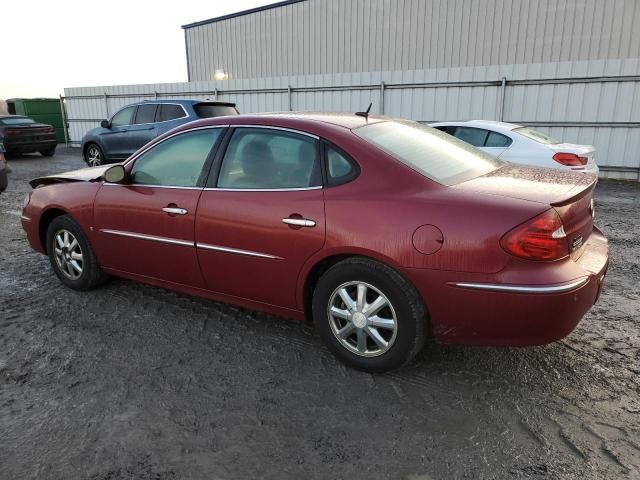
point(169, 116)
point(262, 216)
point(144, 129)
point(146, 226)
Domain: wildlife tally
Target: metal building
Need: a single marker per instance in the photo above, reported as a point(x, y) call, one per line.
point(310, 37)
point(570, 68)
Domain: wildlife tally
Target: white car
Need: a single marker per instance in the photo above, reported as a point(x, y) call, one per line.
point(518, 144)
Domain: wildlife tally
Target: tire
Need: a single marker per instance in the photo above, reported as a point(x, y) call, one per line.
point(93, 155)
point(63, 252)
point(49, 152)
point(401, 322)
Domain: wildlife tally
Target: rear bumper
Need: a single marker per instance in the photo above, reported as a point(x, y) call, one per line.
point(487, 310)
point(29, 146)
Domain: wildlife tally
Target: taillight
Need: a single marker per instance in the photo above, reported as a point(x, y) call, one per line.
point(570, 159)
point(541, 238)
point(48, 130)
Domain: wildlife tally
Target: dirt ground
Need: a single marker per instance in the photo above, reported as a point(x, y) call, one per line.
point(131, 381)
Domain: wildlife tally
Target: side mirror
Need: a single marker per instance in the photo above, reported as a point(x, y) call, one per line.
point(114, 174)
point(105, 124)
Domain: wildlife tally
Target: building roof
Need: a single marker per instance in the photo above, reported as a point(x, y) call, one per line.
point(243, 12)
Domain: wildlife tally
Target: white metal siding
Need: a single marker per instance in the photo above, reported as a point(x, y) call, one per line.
point(337, 36)
point(597, 103)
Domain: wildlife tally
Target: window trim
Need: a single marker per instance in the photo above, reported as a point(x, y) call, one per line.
point(206, 168)
point(211, 183)
point(325, 167)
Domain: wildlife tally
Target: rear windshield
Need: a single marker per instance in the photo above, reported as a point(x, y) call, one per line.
point(434, 154)
point(208, 110)
point(17, 121)
point(536, 136)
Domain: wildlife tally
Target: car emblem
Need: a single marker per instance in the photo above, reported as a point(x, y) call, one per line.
point(576, 243)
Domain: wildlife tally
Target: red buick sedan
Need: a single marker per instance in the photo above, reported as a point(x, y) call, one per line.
point(380, 231)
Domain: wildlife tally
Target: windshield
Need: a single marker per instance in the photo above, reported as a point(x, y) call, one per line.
point(434, 154)
point(17, 121)
point(535, 135)
point(208, 110)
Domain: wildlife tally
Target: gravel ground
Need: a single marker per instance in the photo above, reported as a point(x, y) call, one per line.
point(132, 381)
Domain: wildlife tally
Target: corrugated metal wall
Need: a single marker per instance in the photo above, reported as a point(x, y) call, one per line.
point(591, 102)
point(338, 36)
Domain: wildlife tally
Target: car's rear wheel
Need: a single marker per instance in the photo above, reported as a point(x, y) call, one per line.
point(49, 152)
point(369, 315)
point(93, 155)
point(71, 256)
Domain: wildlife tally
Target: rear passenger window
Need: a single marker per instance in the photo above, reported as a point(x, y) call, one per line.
point(497, 140)
point(145, 114)
point(169, 111)
point(340, 168)
point(473, 136)
point(270, 159)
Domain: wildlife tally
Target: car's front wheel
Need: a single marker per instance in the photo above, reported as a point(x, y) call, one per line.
point(93, 155)
point(71, 256)
point(369, 315)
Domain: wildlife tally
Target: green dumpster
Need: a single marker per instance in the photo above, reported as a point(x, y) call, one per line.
point(43, 110)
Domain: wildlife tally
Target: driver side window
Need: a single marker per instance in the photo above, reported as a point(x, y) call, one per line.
point(123, 117)
point(176, 162)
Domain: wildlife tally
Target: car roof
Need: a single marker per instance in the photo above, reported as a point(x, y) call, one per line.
point(185, 102)
point(312, 122)
point(8, 115)
point(492, 124)
point(346, 120)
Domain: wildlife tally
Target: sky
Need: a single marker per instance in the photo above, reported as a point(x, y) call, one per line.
point(48, 45)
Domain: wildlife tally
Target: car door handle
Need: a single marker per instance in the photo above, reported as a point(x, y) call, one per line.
point(175, 210)
point(299, 222)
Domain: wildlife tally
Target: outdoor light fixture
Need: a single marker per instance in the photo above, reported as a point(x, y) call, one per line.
point(220, 74)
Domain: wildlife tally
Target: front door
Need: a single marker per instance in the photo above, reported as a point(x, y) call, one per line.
point(263, 216)
point(146, 225)
point(115, 139)
point(144, 128)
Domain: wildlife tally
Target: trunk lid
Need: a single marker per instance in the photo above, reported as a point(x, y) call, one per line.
point(570, 194)
point(30, 131)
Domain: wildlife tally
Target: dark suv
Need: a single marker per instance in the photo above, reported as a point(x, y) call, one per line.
point(133, 126)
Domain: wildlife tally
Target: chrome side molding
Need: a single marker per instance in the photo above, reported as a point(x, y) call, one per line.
point(535, 289)
point(238, 251)
point(153, 238)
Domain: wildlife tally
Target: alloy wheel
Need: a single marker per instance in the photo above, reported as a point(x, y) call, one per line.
point(94, 156)
point(362, 319)
point(68, 254)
